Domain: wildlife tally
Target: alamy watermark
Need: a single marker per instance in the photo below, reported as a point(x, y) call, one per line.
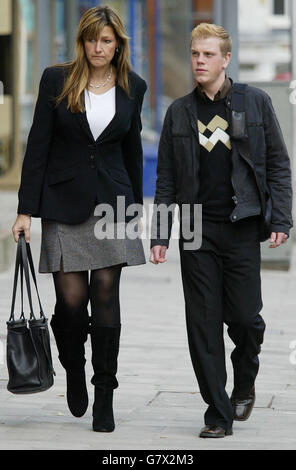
point(292, 96)
point(1, 352)
point(157, 221)
point(292, 356)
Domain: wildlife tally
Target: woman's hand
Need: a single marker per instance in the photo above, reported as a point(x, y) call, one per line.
point(22, 224)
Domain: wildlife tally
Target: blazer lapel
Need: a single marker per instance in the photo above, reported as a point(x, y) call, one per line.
point(122, 103)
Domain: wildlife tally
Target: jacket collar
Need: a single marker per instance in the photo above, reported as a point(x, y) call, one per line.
point(221, 93)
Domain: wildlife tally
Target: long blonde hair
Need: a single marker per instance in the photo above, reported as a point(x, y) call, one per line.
point(91, 24)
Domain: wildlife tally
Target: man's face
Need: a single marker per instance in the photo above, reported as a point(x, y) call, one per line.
point(207, 61)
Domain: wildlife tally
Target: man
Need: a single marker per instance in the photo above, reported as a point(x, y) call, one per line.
point(229, 160)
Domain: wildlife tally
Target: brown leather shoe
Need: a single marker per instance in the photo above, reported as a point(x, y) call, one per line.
point(214, 431)
point(242, 407)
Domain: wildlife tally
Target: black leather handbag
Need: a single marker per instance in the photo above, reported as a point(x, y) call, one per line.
point(28, 353)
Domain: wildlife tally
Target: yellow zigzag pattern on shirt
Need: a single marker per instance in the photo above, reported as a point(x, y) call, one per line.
point(217, 126)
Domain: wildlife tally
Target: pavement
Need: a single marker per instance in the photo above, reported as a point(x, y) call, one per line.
point(158, 404)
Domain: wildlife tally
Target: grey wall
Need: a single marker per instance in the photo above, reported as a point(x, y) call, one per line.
point(279, 93)
point(225, 14)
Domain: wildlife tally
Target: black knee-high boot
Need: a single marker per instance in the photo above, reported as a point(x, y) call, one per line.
point(105, 349)
point(70, 344)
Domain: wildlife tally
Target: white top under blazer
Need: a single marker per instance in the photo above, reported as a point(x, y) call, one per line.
point(100, 110)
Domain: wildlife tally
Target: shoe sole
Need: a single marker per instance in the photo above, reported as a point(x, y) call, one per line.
point(213, 436)
point(103, 430)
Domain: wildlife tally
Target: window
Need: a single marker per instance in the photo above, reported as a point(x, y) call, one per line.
point(278, 7)
point(247, 67)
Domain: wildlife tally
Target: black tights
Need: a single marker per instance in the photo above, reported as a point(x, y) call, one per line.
point(74, 290)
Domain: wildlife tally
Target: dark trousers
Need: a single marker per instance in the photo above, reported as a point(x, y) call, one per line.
point(221, 282)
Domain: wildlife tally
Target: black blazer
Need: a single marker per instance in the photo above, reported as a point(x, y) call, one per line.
point(65, 172)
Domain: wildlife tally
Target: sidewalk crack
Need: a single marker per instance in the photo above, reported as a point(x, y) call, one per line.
point(271, 401)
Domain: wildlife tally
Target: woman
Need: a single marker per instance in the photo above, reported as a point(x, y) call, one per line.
point(84, 148)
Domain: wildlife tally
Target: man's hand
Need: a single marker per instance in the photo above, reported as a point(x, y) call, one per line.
point(277, 238)
point(157, 254)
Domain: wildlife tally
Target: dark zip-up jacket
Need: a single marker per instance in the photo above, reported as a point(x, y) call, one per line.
point(260, 163)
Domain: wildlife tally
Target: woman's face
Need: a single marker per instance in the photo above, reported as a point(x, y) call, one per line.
point(100, 52)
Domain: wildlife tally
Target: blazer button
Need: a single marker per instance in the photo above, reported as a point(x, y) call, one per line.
point(92, 160)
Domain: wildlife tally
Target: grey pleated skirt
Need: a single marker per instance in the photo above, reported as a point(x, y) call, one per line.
point(80, 249)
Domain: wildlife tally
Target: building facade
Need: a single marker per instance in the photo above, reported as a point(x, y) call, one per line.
point(37, 33)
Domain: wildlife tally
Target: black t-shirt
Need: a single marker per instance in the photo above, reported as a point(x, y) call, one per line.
point(215, 190)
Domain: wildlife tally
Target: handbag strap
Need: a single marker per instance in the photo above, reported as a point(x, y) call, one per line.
point(30, 258)
point(23, 260)
point(18, 267)
point(27, 277)
point(22, 288)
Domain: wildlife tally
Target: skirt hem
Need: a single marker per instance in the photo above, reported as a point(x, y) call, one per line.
point(126, 264)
